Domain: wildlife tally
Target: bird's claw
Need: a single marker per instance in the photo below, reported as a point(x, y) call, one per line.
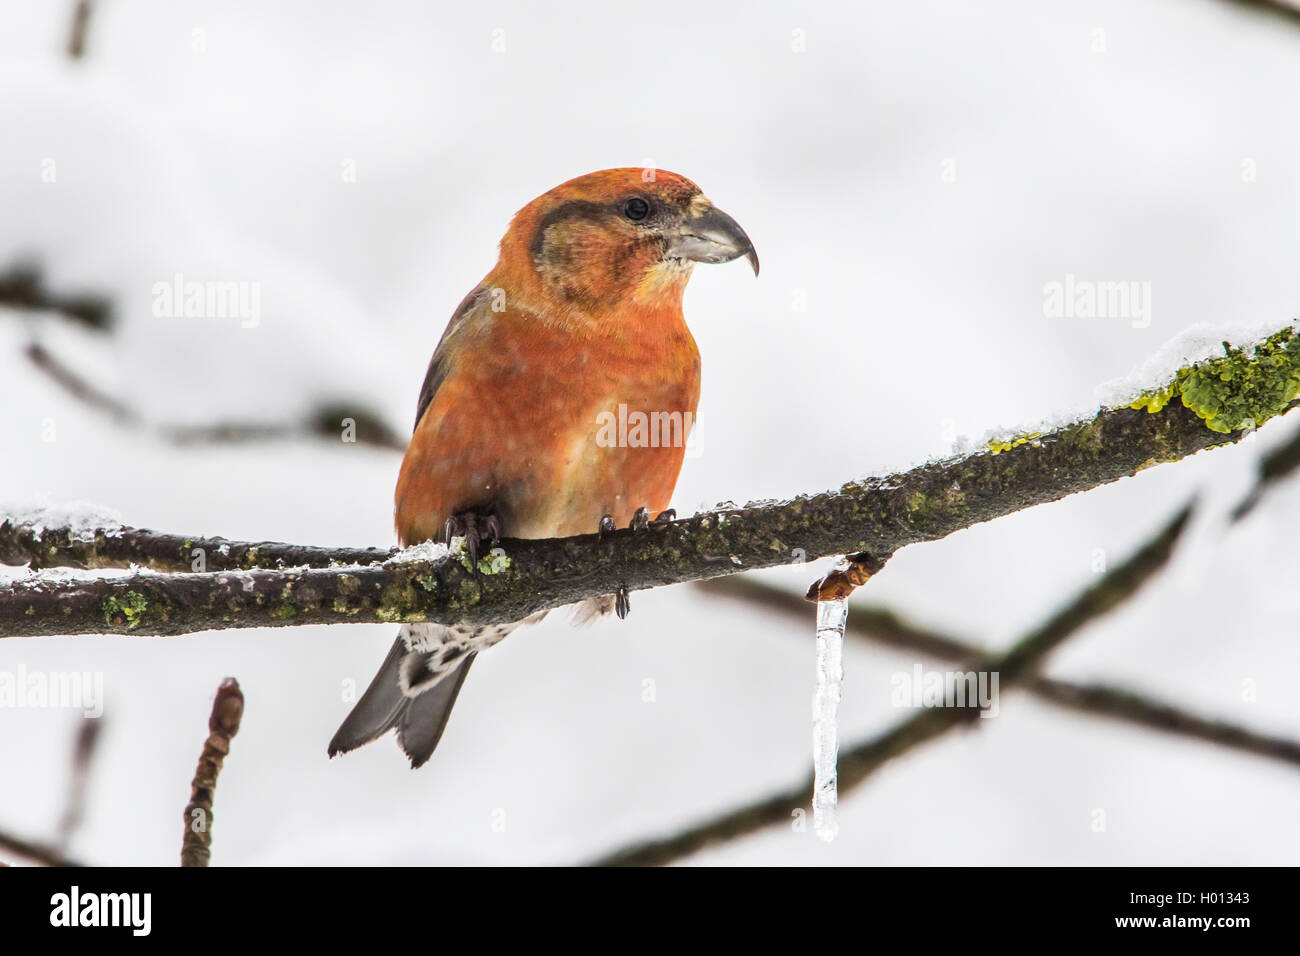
point(606, 526)
point(475, 529)
point(641, 521)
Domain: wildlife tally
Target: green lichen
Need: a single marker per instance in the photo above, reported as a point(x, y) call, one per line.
point(429, 581)
point(130, 608)
point(1243, 388)
point(494, 562)
point(1156, 399)
point(997, 445)
point(920, 508)
point(400, 603)
point(284, 611)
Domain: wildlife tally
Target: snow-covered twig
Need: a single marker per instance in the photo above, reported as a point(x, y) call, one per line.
point(881, 626)
point(1014, 667)
point(40, 543)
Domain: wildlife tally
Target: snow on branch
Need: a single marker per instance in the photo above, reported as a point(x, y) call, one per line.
point(1209, 403)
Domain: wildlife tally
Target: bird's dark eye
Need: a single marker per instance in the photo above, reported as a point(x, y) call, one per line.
point(636, 208)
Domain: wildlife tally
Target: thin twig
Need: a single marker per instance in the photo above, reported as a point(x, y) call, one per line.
point(1276, 8)
point(83, 757)
point(856, 764)
point(80, 24)
point(227, 711)
point(326, 421)
point(40, 853)
point(1277, 464)
point(22, 287)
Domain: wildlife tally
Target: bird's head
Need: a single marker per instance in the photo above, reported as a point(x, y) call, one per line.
point(619, 236)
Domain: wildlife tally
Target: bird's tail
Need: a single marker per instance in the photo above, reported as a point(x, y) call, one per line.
point(419, 716)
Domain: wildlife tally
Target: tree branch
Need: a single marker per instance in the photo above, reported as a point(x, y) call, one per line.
point(1219, 399)
point(1015, 666)
point(881, 626)
point(119, 547)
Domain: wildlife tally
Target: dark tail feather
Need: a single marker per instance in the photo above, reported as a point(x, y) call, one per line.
point(424, 718)
point(378, 709)
point(419, 720)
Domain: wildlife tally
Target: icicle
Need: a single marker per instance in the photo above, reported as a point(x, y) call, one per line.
point(831, 616)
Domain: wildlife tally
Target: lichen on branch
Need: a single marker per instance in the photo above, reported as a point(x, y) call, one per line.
point(1241, 389)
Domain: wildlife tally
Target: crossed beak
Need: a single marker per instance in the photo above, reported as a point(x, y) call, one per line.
point(712, 236)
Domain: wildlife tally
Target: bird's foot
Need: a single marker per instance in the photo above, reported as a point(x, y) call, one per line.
point(475, 528)
point(642, 520)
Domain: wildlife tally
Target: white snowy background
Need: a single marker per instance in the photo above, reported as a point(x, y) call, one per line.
point(210, 138)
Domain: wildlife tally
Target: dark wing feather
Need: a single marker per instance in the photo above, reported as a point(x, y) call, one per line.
point(438, 365)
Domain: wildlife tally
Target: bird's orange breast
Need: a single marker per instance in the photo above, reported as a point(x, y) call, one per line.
point(552, 424)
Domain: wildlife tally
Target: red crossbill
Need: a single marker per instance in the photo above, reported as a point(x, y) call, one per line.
point(581, 315)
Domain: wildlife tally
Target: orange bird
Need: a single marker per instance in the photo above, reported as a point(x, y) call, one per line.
point(579, 325)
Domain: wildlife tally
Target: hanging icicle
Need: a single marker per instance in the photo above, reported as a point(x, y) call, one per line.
point(831, 616)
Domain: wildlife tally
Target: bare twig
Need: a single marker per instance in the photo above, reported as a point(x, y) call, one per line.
point(1277, 464)
point(227, 711)
point(76, 386)
point(83, 756)
point(77, 35)
point(881, 626)
point(40, 853)
point(856, 764)
point(22, 287)
point(1282, 9)
point(327, 421)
